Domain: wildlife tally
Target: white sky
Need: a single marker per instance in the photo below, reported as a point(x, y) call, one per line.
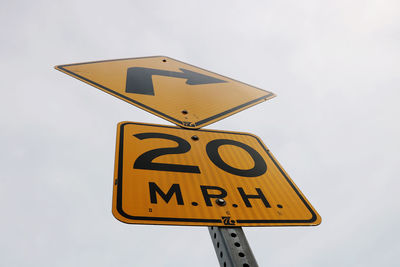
point(334, 125)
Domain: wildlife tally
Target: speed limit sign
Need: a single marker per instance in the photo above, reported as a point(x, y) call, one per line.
point(174, 176)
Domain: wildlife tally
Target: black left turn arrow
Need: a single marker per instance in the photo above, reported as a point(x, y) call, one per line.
point(139, 80)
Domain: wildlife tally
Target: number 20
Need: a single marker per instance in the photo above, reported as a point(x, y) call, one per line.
point(145, 160)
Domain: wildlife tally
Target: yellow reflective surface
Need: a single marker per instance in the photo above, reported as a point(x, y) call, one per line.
point(229, 165)
point(186, 95)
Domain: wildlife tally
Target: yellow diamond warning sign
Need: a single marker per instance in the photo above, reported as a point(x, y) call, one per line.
point(175, 176)
point(183, 94)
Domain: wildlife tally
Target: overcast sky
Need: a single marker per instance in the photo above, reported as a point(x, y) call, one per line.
point(334, 125)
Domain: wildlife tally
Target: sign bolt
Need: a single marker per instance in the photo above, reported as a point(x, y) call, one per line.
point(221, 202)
point(195, 137)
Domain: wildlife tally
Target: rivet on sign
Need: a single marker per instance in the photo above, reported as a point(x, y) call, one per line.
point(221, 202)
point(195, 137)
point(184, 112)
point(164, 60)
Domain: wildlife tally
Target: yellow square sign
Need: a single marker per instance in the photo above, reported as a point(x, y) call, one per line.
point(183, 94)
point(175, 176)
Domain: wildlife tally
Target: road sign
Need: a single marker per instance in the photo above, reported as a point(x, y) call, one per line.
point(170, 175)
point(183, 94)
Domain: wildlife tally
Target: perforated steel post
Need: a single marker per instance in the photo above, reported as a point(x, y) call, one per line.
point(231, 247)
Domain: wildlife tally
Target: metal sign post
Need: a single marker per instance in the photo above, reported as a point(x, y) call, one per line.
point(231, 247)
point(174, 176)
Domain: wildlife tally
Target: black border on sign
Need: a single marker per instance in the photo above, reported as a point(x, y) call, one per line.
point(168, 219)
point(197, 124)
